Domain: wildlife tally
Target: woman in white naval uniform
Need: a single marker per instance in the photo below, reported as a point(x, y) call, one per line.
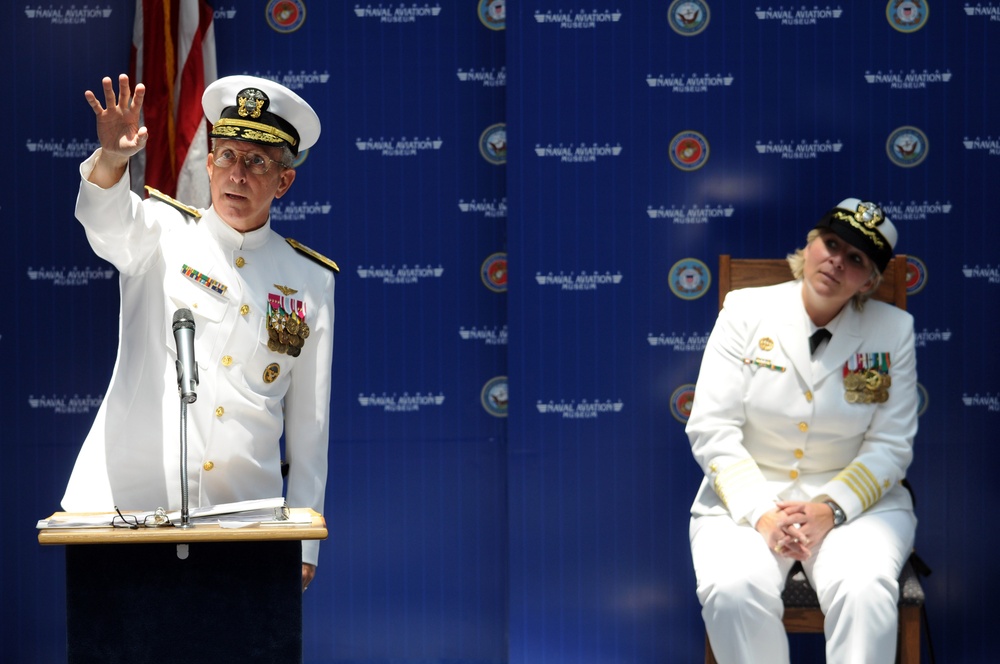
point(242, 282)
point(803, 454)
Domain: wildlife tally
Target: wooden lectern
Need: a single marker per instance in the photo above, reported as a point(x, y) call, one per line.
point(132, 595)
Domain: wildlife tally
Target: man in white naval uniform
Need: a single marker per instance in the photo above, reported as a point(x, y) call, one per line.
point(803, 455)
point(263, 314)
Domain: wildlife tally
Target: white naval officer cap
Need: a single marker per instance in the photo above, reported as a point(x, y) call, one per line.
point(258, 110)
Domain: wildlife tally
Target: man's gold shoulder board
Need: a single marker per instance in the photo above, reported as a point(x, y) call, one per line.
point(160, 196)
point(316, 256)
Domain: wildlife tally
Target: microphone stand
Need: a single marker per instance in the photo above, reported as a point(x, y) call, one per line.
point(187, 380)
point(185, 517)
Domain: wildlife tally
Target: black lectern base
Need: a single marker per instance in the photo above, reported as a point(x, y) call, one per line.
point(227, 602)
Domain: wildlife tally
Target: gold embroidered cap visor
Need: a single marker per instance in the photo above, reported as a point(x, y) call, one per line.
point(865, 226)
point(257, 110)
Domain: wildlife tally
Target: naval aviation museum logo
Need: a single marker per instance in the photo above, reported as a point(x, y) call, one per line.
point(488, 208)
point(493, 13)
point(489, 336)
point(223, 14)
point(689, 279)
point(690, 215)
point(687, 17)
point(493, 144)
point(989, 10)
point(914, 211)
point(487, 77)
point(987, 273)
point(801, 150)
point(494, 396)
point(688, 83)
point(71, 15)
point(402, 147)
point(796, 17)
point(578, 153)
point(578, 282)
point(907, 147)
point(907, 16)
point(680, 343)
point(400, 13)
point(402, 403)
point(989, 145)
point(578, 20)
point(688, 150)
point(400, 275)
point(72, 277)
point(285, 16)
point(991, 402)
point(296, 80)
point(74, 405)
point(298, 211)
point(580, 410)
point(73, 149)
point(921, 339)
point(911, 80)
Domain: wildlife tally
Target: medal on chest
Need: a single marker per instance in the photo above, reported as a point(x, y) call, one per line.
point(866, 378)
point(287, 329)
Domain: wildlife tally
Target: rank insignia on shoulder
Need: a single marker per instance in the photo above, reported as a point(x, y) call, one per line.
point(172, 202)
point(314, 255)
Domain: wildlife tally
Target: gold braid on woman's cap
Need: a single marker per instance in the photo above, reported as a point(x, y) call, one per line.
point(868, 231)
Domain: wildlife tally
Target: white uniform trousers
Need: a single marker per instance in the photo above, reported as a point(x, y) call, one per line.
point(855, 572)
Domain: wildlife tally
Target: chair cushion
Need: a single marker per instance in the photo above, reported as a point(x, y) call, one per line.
point(799, 594)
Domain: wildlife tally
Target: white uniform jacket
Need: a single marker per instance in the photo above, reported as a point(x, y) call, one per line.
point(248, 394)
point(766, 424)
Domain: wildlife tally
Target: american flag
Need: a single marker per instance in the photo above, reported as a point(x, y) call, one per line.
point(173, 54)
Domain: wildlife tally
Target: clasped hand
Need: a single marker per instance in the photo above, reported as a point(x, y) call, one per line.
point(794, 529)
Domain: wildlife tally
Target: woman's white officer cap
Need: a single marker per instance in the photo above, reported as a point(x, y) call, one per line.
point(865, 226)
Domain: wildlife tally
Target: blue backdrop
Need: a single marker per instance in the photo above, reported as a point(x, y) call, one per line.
point(573, 271)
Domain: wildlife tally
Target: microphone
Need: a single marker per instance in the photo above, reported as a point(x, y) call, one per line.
point(187, 369)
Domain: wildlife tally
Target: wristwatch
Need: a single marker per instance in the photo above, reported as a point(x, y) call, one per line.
point(838, 514)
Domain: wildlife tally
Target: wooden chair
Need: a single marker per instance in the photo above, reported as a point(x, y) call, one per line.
point(802, 612)
point(748, 272)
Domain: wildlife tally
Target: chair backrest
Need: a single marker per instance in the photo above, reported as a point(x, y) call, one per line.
point(748, 272)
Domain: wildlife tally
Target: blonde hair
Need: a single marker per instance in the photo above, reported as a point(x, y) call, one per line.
point(797, 262)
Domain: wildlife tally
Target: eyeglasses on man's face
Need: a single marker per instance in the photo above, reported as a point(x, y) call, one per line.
point(256, 163)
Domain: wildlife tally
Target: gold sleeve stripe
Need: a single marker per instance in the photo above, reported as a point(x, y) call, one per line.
point(864, 496)
point(736, 478)
point(862, 482)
